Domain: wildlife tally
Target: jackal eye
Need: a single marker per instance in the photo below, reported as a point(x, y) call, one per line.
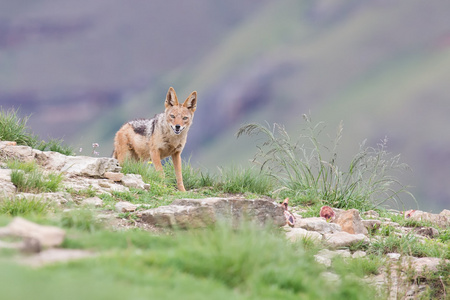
point(185, 118)
point(172, 116)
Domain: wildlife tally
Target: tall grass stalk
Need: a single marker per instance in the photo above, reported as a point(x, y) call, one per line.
point(307, 169)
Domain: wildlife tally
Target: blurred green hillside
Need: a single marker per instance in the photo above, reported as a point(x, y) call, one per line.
point(382, 67)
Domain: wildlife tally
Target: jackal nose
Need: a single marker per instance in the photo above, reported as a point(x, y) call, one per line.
point(177, 127)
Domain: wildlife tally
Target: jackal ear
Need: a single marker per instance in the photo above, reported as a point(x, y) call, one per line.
point(171, 98)
point(191, 101)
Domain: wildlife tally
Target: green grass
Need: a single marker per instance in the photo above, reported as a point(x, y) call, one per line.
point(364, 266)
point(14, 128)
point(230, 180)
point(409, 245)
point(240, 180)
point(23, 207)
point(81, 219)
point(28, 178)
point(307, 168)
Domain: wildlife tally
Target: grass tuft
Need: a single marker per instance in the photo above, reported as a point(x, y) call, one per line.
point(307, 169)
point(23, 207)
point(28, 178)
point(14, 128)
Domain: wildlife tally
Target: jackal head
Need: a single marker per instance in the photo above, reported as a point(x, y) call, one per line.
point(179, 116)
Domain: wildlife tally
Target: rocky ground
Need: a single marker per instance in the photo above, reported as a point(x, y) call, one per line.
point(347, 234)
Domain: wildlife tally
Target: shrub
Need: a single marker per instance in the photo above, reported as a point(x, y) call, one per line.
point(308, 170)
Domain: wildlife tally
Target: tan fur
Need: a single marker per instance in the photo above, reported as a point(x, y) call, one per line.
point(155, 139)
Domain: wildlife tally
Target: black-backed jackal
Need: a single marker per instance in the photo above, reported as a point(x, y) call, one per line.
point(155, 139)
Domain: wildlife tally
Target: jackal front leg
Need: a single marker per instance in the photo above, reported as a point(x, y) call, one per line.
point(156, 160)
point(176, 159)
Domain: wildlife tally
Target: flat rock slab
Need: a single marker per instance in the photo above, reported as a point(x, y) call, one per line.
point(442, 220)
point(318, 224)
point(54, 256)
point(48, 236)
point(425, 264)
point(194, 213)
point(297, 234)
point(343, 239)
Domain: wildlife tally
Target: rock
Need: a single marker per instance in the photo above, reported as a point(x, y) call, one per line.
point(79, 183)
point(425, 264)
point(177, 216)
point(24, 153)
point(133, 181)
point(441, 220)
point(76, 165)
point(7, 188)
point(371, 214)
point(371, 224)
point(325, 256)
point(210, 210)
point(359, 254)
point(237, 210)
point(56, 197)
point(7, 143)
point(319, 225)
point(445, 212)
point(93, 201)
point(48, 236)
point(394, 256)
point(297, 234)
point(114, 176)
point(350, 221)
point(343, 239)
point(331, 277)
point(429, 232)
point(124, 206)
point(54, 255)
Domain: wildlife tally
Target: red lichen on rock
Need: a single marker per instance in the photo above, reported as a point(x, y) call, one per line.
point(327, 213)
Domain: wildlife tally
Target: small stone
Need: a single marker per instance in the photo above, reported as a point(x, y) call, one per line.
point(104, 184)
point(394, 256)
point(54, 255)
point(427, 264)
point(371, 214)
point(93, 201)
point(318, 224)
point(350, 221)
point(331, 277)
point(359, 254)
point(7, 143)
point(445, 212)
point(344, 239)
point(125, 206)
point(429, 232)
point(297, 234)
point(371, 224)
point(113, 176)
point(133, 181)
point(323, 260)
